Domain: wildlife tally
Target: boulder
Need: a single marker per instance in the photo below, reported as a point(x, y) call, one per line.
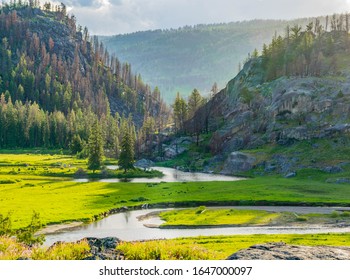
point(238, 162)
point(333, 169)
point(104, 248)
point(144, 163)
point(282, 251)
point(290, 175)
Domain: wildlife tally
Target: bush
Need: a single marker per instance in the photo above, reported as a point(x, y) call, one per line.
point(80, 173)
point(26, 235)
point(7, 182)
point(335, 214)
point(5, 225)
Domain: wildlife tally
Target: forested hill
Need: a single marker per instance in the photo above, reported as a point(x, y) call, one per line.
point(289, 107)
point(194, 57)
point(55, 79)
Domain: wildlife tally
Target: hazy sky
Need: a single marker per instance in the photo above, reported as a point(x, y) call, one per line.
point(125, 16)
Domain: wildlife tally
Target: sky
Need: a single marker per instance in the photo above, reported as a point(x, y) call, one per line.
point(108, 17)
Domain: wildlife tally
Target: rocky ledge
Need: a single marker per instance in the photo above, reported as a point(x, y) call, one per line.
point(104, 248)
point(282, 251)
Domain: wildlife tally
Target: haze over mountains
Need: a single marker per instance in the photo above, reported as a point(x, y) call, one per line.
point(179, 60)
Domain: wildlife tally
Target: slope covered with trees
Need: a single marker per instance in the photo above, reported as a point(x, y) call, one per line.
point(56, 81)
point(179, 60)
point(288, 107)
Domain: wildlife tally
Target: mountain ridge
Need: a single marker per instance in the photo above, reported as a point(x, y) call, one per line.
point(194, 56)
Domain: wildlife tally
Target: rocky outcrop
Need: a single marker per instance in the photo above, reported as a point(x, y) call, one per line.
point(177, 147)
point(238, 162)
point(251, 113)
point(282, 251)
point(104, 248)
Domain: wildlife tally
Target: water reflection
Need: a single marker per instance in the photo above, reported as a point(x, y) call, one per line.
point(170, 175)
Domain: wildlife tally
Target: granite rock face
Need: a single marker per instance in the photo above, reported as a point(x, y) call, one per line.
point(282, 251)
point(238, 162)
point(250, 113)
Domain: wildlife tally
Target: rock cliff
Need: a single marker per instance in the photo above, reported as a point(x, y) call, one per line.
point(251, 113)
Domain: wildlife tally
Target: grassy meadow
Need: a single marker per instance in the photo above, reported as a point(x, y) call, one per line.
point(45, 183)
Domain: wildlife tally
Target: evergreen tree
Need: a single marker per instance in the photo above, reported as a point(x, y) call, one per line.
point(180, 112)
point(95, 147)
point(126, 158)
point(76, 145)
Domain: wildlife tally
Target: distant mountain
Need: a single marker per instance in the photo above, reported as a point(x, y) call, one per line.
point(194, 57)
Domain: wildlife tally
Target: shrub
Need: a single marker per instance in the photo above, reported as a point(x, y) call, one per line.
point(5, 224)
point(80, 173)
point(26, 235)
point(335, 214)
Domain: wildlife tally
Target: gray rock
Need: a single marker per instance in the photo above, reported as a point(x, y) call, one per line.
point(238, 162)
point(104, 248)
point(332, 169)
point(342, 181)
point(291, 175)
point(281, 251)
point(270, 168)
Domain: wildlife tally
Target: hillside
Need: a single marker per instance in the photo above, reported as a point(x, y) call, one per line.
point(194, 57)
point(287, 110)
point(56, 80)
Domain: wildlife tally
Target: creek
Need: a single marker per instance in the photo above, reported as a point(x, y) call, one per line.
point(126, 226)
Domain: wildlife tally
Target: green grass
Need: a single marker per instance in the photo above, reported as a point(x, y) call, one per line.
point(211, 217)
point(60, 199)
point(220, 247)
point(237, 217)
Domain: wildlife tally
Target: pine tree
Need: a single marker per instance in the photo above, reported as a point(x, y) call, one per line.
point(180, 112)
point(126, 158)
point(95, 147)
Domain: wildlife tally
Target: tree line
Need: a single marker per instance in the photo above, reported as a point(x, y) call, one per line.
point(311, 51)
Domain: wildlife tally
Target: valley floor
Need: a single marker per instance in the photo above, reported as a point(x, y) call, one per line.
point(45, 184)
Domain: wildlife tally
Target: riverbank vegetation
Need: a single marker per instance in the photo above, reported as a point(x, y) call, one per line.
point(11, 249)
point(220, 247)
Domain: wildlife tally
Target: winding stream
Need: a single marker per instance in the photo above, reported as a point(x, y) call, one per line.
point(127, 227)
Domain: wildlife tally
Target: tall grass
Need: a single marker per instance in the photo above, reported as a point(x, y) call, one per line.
point(11, 249)
point(164, 250)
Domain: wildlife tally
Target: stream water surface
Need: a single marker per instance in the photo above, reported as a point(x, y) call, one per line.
point(126, 226)
point(170, 175)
